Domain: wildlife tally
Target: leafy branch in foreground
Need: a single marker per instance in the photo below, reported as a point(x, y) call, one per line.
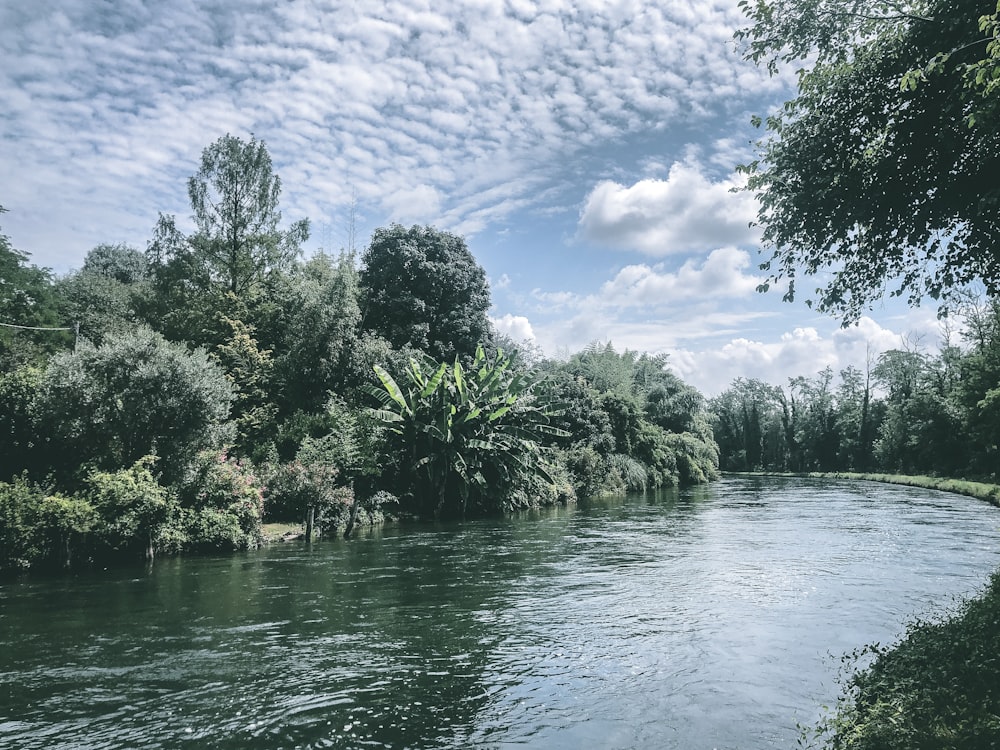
point(880, 171)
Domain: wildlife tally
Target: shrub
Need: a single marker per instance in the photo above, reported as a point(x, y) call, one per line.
point(20, 501)
point(230, 487)
point(132, 505)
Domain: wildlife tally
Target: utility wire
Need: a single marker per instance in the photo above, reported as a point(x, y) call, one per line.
point(75, 328)
point(35, 328)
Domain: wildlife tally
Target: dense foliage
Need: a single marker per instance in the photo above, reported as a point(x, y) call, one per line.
point(219, 379)
point(881, 168)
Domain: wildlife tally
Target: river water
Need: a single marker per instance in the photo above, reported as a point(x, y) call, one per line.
point(709, 618)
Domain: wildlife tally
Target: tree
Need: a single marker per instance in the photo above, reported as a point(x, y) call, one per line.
point(135, 395)
point(235, 200)
point(316, 348)
point(236, 249)
point(421, 287)
point(465, 440)
point(27, 302)
point(879, 170)
point(104, 296)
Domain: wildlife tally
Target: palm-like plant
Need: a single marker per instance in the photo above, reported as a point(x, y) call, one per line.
point(469, 436)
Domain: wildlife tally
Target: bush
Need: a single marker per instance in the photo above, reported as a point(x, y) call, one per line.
point(20, 502)
point(132, 505)
point(227, 500)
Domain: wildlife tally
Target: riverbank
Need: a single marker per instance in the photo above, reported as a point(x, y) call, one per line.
point(935, 688)
point(979, 490)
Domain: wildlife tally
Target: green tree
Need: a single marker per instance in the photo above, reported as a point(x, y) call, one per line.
point(317, 348)
point(235, 251)
point(105, 295)
point(466, 441)
point(870, 173)
point(27, 301)
point(746, 421)
point(234, 196)
point(133, 396)
point(421, 287)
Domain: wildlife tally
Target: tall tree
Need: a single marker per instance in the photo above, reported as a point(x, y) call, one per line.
point(880, 170)
point(421, 287)
point(238, 242)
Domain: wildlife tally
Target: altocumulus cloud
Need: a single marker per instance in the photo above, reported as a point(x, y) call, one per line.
point(455, 113)
point(685, 213)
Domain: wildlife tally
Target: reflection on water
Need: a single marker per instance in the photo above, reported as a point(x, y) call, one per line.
point(708, 618)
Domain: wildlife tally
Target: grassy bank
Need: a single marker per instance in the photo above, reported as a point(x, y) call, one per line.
point(939, 686)
point(979, 490)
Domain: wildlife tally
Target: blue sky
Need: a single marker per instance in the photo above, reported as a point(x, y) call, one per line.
point(586, 150)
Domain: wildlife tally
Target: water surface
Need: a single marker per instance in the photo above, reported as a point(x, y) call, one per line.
point(710, 618)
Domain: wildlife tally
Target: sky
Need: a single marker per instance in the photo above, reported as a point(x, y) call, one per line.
point(585, 150)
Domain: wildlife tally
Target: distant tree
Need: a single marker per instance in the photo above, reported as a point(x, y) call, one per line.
point(236, 249)
point(105, 295)
point(119, 262)
point(881, 171)
point(746, 420)
point(421, 287)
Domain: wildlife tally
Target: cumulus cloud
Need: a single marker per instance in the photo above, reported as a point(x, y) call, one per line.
point(684, 213)
point(719, 277)
point(517, 327)
point(802, 351)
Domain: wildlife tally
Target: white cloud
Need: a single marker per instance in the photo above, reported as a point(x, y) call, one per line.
point(719, 277)
point(419, 204)
point(684, 213)
point(466, 113)
point(517, 327)
point(802, 351)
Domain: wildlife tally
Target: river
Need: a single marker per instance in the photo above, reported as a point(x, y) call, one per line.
point(713, 617)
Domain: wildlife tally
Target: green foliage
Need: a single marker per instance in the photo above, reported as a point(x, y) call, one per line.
point(879, 183)
point(135, 395)
point(26, 299)
point(132, 505)
point(296, 486)
point(937, 688)
point(248, 369)
point(20, 504)
point(18, 432)
point(318, 347)
point(421, 287)
point(235, 200)
point(465, 439)
point(226, 498)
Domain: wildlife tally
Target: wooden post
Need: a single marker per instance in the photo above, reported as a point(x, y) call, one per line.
point(309, 523)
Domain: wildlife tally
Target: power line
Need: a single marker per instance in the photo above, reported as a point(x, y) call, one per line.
point(35, 328)
point(75, 328)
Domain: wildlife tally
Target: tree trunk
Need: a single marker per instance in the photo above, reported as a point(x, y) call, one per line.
point(310, 513)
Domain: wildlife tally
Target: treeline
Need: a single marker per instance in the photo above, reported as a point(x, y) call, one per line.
point(218, 378)
point(908, 412)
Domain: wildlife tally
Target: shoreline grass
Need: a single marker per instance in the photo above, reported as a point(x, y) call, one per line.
point(979, 490)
